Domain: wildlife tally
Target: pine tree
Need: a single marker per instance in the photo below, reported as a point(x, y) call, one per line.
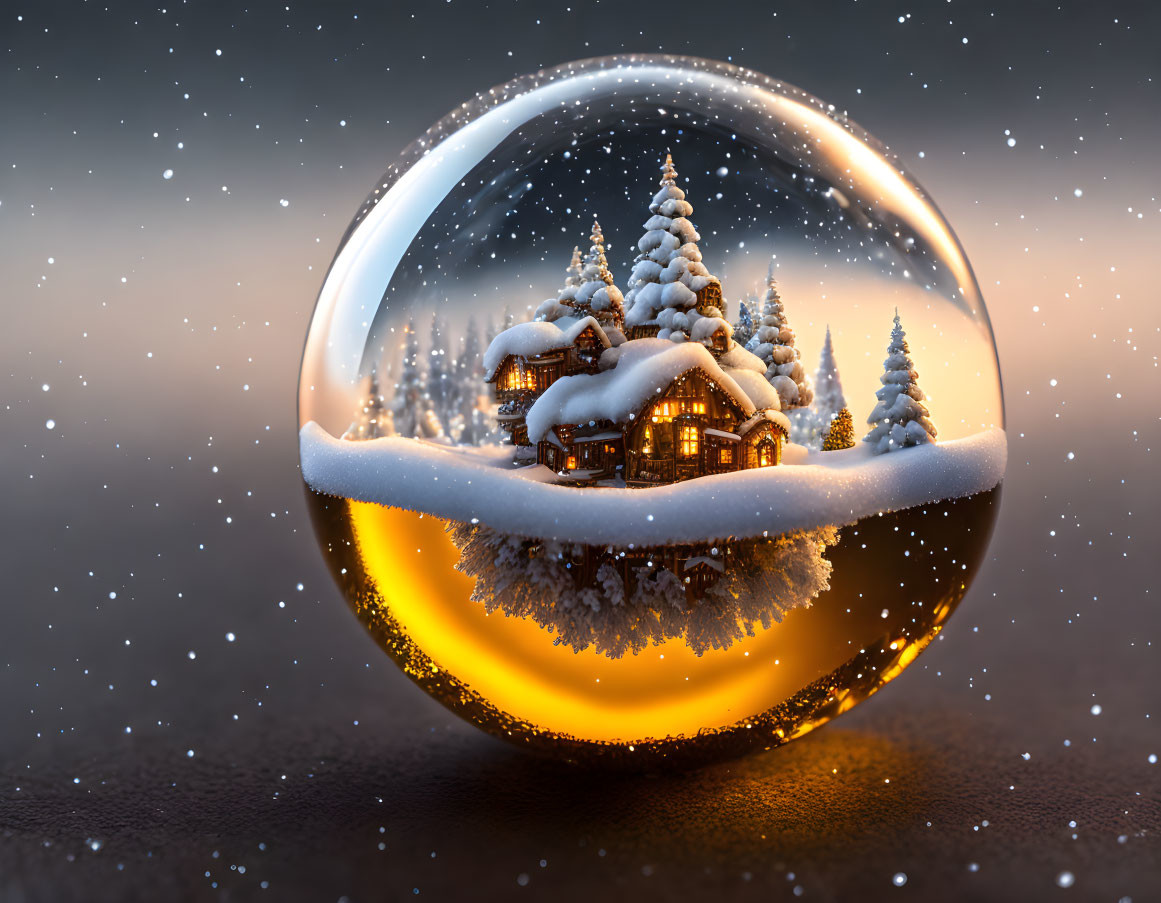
point(773, 342)
point(552, 309)
point(411, 408)
point(828, 388)
point(744, 327)
point(470, 397)
point(596, 296)
point(841, 432)
point(900, 419)
point(373, 419)
point(669, 271)
point(440, 375)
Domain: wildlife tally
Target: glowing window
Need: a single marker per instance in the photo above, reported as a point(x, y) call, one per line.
point(647, 442)
point(663, 412)
point(688, 440)
point(726, 456)
point(765, 454)
point(699, 407)
point(570, 462)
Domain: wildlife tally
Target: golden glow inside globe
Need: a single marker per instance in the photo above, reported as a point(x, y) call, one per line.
point(635, 522)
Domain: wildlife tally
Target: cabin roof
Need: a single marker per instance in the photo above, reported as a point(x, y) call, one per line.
point(631, 376)
point(779, 420)
point(538, 337)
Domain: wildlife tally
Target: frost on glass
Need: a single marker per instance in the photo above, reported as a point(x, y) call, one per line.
point(650, 410)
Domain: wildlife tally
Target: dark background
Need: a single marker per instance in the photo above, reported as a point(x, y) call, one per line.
point(188, 710)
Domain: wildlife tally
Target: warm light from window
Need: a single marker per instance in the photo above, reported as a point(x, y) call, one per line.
point(765, 455)
point(570, 462)
point(689, 441)
point(647, 443)
point(727, 456)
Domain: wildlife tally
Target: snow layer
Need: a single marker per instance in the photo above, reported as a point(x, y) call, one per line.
point(481, 485)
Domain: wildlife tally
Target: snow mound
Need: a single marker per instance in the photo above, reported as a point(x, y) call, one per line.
point(480, 485)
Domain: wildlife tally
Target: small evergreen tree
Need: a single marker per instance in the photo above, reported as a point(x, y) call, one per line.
point(668, 272)
point(828, 388)
point(773, 342)
point(373, 419)
point(841, 432)
point(900, 419)
point(470, 397)
point(411, 408)
point(440, 374)
point(744, 327)
point(596, 296)
point(552, 309)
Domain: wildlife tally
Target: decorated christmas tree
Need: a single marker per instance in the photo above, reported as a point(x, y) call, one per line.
point(773, 342)
point(412, 409)
point(900, 419)
point(597, 296)
point(841, 432)
point(668, 274)
point(373, 419)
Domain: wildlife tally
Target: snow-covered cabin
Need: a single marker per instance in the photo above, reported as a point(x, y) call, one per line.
point(527, 358)
point(659, 412)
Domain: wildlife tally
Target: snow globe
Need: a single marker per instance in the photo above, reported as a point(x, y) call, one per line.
point(650, 413)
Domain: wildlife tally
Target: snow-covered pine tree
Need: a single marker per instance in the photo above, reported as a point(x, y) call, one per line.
point(900, 419)
point(552, 309)
point(470, 398)
point(440, 374)
point(773, 342)
point(669, 272)
point(372, 419)
point(596, 295)
point(840, 433)
point(411, 408)
point(828, 388)
point(744, 326)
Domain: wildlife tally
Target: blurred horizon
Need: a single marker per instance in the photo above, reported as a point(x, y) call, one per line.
point(164, 591)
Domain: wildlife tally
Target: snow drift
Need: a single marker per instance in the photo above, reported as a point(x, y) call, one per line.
point(481, 486)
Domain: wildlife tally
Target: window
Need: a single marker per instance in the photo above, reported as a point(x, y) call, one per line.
point(726, 456)
point(699, 407)
point(647, 442)
point(664, 411)
point(688, 440)
point(530, 381)
point(570, 462)
point(765, 454)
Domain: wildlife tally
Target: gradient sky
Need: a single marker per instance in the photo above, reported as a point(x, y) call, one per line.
point(157, 324)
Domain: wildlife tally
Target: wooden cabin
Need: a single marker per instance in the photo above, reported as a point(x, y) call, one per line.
point(693, 429)
point(519, 379)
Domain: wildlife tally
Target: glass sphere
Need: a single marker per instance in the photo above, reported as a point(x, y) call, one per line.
point(650, 412)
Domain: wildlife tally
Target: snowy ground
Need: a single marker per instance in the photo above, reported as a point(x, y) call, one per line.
point(810, 490)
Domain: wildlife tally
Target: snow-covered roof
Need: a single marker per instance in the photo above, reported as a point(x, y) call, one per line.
point(630, 375)
point(777, 418)
point(530, 339)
